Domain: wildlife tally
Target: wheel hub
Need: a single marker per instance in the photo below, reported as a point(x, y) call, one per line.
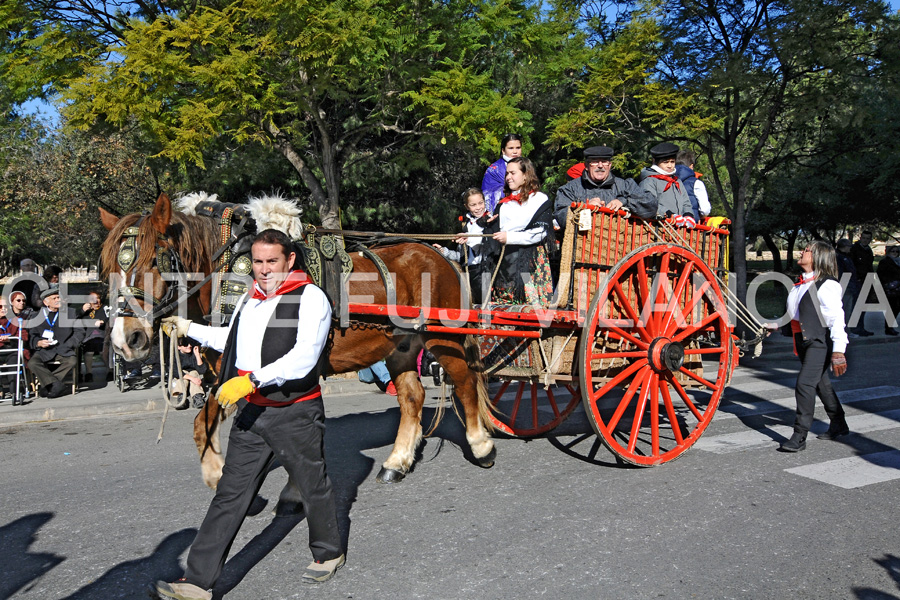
point(666, 355)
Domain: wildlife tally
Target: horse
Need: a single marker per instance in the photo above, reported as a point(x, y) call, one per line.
point(190, 243)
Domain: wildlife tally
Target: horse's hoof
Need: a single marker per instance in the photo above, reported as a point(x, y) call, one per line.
point(287, 509)
point(487, 461)
point(390, 476)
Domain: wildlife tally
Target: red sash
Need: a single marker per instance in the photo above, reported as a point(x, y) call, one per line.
point(670, 179)
point(260, 400)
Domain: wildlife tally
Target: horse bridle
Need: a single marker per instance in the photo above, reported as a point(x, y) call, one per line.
point(167, 262)
point(170, 267)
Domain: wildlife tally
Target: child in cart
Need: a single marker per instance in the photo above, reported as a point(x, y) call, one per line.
point(190, 387)
point(477, 220)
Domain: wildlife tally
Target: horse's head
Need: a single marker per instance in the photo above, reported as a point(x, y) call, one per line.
point(139, 258)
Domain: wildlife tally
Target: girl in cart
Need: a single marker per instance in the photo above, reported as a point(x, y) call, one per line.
point(526, 239)
point(477, 220)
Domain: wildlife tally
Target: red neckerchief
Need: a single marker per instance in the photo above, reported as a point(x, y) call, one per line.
point(294, 280)
point(670, 178)
point(511, 197)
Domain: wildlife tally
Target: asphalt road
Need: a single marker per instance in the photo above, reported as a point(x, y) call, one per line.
point(95, 509)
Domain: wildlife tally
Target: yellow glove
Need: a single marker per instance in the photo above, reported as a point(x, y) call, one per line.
point(176, 325)
point(234, 389)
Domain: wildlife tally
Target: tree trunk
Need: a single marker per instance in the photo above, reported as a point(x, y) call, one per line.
point(326, 203)
point(776, 253)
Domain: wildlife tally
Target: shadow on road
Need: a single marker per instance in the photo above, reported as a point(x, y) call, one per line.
point(26, 567)
point(130, 579)
point(891, 564)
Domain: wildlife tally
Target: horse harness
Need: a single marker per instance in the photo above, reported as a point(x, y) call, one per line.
point(167, 262)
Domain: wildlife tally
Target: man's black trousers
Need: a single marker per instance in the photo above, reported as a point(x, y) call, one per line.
point(813, 379)
point(295, 434)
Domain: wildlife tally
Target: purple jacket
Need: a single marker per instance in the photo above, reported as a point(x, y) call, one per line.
point(493, 184)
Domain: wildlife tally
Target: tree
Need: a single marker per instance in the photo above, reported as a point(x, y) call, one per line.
point(50, 190)
point(753, 85)
point(326, 84)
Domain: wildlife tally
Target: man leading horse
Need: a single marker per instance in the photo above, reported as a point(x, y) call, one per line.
point(271, 352)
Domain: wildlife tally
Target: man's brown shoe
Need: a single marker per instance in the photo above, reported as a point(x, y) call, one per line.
point(181, 590)
point(318, 572)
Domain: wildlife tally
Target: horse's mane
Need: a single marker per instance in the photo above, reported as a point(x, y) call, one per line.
point(195, 240)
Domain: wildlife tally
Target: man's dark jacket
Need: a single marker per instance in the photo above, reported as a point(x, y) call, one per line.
point(68, 337)
point(640, 203)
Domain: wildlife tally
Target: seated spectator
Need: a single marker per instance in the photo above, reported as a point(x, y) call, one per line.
point(53, 339)
point(379, 375)
point(888, 272)
point(476, 221)
point(660, 181)
point(18, 302)
point(95, 320)
point(696, 189)
point(9, 332)
point(526, 235)
point(51, 279)
point(597, 186)
point(193, 368)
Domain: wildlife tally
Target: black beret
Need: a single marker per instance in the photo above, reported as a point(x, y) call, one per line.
point(604, 152)
point(51, 291)
point(664, 150)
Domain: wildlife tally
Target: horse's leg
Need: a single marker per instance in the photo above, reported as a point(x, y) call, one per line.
point(411, 397)
point(472, 393)
point(206, 436)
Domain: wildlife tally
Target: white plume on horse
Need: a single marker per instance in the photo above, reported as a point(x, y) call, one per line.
point(188, 203)
point(269, 212)
point(276, 212)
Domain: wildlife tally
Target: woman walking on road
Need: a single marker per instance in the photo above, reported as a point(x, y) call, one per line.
point(817, 321)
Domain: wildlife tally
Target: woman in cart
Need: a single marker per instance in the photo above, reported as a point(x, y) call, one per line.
point(526, 239)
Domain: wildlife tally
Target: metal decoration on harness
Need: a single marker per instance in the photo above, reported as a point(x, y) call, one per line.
point(167, 262)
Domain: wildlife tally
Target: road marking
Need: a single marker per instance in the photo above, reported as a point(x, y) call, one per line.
point(760, 386)
point(752, 439)
point(733, 409)
point(854, 472)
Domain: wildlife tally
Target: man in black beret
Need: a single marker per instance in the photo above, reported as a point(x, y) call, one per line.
point(53, 338)
point(662, 182)
point(597, 186)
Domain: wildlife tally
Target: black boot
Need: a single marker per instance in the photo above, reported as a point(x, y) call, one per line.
point(795, 444)
point(837, 428)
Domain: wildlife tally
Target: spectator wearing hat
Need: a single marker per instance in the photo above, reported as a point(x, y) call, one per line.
point(598, 186)
point(53, 339)
point(494, 181)
point(19, 309)
point(9, 332)
point(27, 283)
point(661, 181)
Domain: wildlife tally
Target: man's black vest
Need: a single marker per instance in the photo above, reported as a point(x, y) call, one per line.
point(809, 313)
point(280, 336)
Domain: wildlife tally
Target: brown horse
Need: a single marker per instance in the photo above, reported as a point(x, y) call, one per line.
point(193, 241)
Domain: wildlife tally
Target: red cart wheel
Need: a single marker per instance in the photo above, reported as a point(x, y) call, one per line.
point(657, 323)
point(526, 408)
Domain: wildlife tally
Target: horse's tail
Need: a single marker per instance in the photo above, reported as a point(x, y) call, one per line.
point(473, 359)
